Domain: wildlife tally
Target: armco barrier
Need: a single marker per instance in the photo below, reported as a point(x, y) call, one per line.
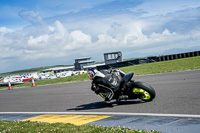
point(150, 60)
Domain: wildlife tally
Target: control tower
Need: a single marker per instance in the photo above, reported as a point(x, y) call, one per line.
point(113, 57)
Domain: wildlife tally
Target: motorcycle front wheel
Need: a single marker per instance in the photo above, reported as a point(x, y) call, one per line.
point(143, 91)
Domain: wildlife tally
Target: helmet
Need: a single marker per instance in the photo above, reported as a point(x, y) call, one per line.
point(91, 73)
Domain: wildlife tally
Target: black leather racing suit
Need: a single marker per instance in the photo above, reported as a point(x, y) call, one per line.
point(110, 84)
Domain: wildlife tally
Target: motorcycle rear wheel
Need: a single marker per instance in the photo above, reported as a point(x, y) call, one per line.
point(143, 91)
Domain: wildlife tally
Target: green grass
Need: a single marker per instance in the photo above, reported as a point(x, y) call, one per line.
point(38, 127)
point(191, 63)
point(82, 77)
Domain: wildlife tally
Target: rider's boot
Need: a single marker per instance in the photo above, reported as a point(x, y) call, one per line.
point(110, 101)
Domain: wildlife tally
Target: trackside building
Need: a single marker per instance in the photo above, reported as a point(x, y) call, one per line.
point(81, 62)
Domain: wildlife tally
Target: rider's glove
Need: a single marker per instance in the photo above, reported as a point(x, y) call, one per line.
point(95, 88)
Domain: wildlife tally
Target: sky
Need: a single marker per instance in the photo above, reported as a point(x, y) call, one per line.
point(36, 33)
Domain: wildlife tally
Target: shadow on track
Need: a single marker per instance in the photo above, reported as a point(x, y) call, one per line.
point(100, 105)
point(96, 105)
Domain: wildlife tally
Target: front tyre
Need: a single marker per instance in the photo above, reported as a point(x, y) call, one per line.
point(143, 91)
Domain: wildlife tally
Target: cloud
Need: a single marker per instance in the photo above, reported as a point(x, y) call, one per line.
point(31, 16)
point(57, 39)
point(79, 37)
point(51, 29)
point(71, 36)
point(60, 27)
point(106, 39)
point(4, 30)
point(157, 7)
point(38, 42)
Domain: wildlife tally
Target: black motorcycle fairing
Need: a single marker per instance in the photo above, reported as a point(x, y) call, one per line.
point(128, 77)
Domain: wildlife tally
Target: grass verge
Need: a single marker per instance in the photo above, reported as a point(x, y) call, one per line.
point(191, 63)
point(38, 127)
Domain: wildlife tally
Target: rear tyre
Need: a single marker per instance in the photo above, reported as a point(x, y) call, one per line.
point(143, 91)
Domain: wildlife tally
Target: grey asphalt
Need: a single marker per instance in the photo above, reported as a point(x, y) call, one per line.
point(177, 93)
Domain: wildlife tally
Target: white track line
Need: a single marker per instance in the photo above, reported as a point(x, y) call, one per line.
point(108, 113)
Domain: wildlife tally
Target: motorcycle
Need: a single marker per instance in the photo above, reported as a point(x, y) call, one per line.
point(130, 89)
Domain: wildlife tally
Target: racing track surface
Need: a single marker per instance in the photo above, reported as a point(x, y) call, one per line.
point(177, 93)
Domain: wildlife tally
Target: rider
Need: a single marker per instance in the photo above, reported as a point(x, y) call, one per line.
point(107, 80)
